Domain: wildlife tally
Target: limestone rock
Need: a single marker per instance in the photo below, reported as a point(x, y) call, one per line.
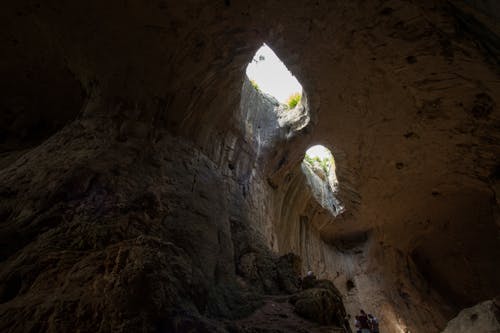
point(269, 274)
point(321, 303)
point(483, 317)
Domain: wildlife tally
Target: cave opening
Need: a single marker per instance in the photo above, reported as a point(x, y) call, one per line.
point(268, 74)
point(319, 167)
point(273, 105)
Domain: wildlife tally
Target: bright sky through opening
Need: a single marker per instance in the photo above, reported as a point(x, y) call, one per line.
point(271, 75)
point(318, 151)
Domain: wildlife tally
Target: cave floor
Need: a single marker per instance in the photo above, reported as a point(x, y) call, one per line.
point(277, 315)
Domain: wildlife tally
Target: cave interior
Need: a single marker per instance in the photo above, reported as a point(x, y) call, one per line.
point(148, 185)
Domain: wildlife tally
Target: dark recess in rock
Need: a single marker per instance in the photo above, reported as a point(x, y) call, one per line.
point(386, 11)
point(350, 285)
point(409, 135)
point(411, 59)
point(483, 106)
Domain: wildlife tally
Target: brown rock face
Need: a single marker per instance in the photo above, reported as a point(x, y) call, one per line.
point(321, 302)
point(145, 187)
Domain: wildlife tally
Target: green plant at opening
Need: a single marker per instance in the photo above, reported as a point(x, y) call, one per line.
point(255, 85)
point(324, 163)
point(293, 100)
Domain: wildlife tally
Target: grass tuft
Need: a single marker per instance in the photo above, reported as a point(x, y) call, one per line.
point(325, 163)
point(255, 85)
point(293, 100)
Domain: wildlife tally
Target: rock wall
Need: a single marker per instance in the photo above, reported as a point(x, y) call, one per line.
point(106, 235)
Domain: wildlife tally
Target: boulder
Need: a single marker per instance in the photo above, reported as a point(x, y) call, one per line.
point(483, 317)
point(321, 303)
point(308, 281)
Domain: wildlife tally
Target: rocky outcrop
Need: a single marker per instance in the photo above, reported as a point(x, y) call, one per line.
point(156, 250)
point(484, 317)
point(320, 302)
point(258, 116)
point(322, 189)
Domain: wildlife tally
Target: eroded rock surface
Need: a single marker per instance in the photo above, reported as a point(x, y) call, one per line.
point(320, 302)
point(484, 317)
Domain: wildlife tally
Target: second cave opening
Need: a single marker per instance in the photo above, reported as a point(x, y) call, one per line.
point(319, 167)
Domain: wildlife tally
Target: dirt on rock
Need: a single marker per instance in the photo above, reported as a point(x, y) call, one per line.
point(279, 315)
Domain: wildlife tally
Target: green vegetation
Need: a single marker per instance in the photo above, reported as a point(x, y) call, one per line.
point(255, 85)
point(325, 163)
point(293, 100)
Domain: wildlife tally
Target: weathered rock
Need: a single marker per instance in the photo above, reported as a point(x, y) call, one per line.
point(484, 317)
point(270, 274)
point(316, 304)
point(289, 267)
point(321, 303)
point(308, 281)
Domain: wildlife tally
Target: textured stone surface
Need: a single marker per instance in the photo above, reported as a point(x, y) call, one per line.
point(320, 302)
point(134, 196)
point(484, 317)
